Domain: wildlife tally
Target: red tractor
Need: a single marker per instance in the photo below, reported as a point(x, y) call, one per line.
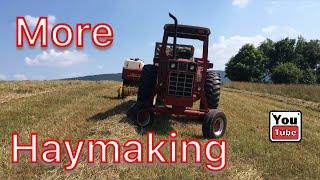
point(176, 80)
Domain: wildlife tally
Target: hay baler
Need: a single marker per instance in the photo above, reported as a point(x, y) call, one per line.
point(131, 73)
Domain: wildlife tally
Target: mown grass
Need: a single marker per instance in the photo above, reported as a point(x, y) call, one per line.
point(89, 110)
point(14, 90)
point(299, 91)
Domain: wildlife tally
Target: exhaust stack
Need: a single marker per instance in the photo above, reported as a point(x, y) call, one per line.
point(175, 34)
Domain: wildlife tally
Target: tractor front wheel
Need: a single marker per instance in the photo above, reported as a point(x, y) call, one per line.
point(140, 115)
point(144, 118)
point(214, 124)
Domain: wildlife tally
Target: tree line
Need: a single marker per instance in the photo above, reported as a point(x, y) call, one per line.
point(286, 61)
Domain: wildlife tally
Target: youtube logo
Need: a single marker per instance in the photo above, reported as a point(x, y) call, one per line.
point(285, 126)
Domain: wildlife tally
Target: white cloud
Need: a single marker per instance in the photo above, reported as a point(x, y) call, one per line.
point(20, 77)
point(276, 32)
point(32, 21)
point(57, 58)
point(270, 11)
point(221, 51)
point(290, 30)
point(275, 6)
point(3, 77)
point(240, 3)
point(100, 67)
point(269, 29)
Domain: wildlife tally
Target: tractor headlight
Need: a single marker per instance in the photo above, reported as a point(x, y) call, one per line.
point(173, 65)
point(192, 67)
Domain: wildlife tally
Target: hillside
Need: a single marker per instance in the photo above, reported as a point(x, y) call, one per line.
point(99, 77)
point(117, 77)
point(89, 110)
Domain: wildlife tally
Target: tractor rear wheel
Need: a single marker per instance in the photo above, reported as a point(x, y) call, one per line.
point(214, 124)
point(212, 89)
point(147, 82)
point(138, 112)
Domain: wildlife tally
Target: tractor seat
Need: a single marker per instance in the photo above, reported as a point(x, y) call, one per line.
point(182, 52)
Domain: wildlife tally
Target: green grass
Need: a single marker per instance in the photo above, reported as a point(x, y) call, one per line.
point(299, 91)
point(89, 110)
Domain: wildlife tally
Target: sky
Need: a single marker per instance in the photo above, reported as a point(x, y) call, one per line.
point(137, 25)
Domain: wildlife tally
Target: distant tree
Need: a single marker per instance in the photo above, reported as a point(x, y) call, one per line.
point(312, 53)
point(287, 73)
point(275, 58)
point(284, 51)
point(237, 71)
point(246, 65)
point(318, 75)
point(267, 50)
point(308, 76)
point(300, 52)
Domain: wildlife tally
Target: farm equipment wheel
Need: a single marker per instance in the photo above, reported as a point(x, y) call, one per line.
point(140, 115)
point(133, 111)
point(212, 89)
point(144, 118)
point(214, 124)
point(120, 92)
point(138, 112)
point(147, 83)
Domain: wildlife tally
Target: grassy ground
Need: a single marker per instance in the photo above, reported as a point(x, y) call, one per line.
point(300, 91)
point(84, 110)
